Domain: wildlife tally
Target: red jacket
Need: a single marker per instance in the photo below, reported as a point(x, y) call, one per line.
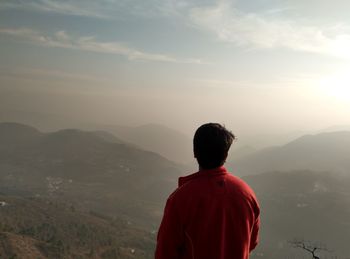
point(211, 215)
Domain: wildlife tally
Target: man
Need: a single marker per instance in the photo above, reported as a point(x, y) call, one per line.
point(212, 214)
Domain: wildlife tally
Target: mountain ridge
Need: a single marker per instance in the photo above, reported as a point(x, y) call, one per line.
point(320, 152)
point(111, 177)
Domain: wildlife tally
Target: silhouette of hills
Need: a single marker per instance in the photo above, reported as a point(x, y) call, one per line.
point(56, 178)
point(12, 134)
point(86, 168)
point(320, 152)
point(165, 141)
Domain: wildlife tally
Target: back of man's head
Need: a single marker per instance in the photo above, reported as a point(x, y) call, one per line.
point(211, 143)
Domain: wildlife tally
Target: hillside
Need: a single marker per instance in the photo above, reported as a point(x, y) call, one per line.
point(84, 167)
point(319, 152)
point(304, 205)
point(65, 191)
point(39, 228)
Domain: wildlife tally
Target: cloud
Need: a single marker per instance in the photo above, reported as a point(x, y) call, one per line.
point(104, 9)
point(68, 7)
point(63, 40)
point(43, 73)
point(254, 30)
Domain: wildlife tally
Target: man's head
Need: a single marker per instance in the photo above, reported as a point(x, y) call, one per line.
point(211, 143)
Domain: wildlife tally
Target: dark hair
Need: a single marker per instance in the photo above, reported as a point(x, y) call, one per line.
point(211, 143)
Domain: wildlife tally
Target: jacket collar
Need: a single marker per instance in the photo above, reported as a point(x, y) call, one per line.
point(202, 173)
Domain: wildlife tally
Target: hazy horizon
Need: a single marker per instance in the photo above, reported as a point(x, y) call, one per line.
point(268, 67)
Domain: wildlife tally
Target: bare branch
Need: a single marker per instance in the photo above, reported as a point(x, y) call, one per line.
point(309, 247)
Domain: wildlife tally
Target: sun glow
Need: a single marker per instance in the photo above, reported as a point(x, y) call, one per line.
point(336, 86)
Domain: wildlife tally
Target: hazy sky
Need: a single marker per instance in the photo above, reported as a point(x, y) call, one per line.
point(264, 65)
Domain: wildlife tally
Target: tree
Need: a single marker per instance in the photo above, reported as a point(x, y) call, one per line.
point(308, 246)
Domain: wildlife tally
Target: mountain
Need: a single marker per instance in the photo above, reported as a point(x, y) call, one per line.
point(80, 194)
point(240, 152)
point(320, 152)
point(335, 128)
point(302, 205)
point(14, 134)
point(87, 168)
point(108, 137)
point(43, 228)
point(46, 121)
point(165, 141)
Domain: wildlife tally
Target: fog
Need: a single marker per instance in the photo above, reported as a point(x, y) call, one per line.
point(170, 65)
point(251, 114)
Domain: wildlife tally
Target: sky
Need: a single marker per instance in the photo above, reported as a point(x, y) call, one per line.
point(263, 66)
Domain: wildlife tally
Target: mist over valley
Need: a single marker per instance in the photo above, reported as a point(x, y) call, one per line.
point(101, 176)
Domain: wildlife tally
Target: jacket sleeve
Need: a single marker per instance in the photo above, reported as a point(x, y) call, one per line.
point(170, 239)
point(254, 238)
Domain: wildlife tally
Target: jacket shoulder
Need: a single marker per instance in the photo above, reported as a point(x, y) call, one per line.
point(236, 184)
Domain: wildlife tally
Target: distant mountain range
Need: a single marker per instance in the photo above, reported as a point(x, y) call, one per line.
point(55, 179)
point(92, 168)
point(45, 121)
point(320, 152)
point(165, 141)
